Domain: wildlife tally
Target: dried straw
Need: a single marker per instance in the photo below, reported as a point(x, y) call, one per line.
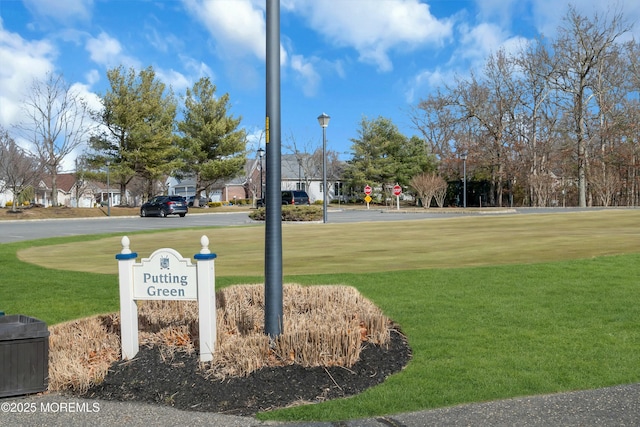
point(322, 326)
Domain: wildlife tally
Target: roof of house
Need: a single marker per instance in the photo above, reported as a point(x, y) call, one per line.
point(64, 181)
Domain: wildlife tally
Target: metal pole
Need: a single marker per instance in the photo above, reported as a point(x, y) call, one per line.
point(108, 193)
point(273, 221)
point(324, 174)
point(261, 179)
point(464, 184)
point(323, 120)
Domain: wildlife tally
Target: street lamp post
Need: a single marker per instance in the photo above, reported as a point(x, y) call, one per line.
point(108, 192)
point(463, 156)
point(261, 154)
point(323, 119)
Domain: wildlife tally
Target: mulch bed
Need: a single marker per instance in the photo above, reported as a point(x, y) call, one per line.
point(180, 384)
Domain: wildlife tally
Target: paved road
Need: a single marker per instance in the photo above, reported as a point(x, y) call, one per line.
point(20, 230)
point(14, 231)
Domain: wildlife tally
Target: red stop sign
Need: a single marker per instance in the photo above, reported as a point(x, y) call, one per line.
point(397, 190)
point(367, 190)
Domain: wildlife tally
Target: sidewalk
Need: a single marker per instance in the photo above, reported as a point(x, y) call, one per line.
point(608, 407)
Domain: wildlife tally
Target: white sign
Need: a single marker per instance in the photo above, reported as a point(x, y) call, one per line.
point(165, 275)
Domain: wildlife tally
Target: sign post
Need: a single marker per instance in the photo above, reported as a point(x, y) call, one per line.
point(367, 191)
point(166, 275)
point(397, 191)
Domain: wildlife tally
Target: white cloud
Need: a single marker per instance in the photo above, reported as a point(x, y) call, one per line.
point(548, 14)
point(499, 11)
point(375, 28)
point(107, 51)
point(62, 11)
point(238, 31)
point(197, 68)
point(308, 78)
point(476, 43)
point(22, 61)
point(103, 49)
point(425, 82)
point(173, 78)
point(161, 42)
point(92, 77)
point(238, 26)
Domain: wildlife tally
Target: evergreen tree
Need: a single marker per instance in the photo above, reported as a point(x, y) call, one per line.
point(212, 145)
point(139, 120)
point(383, 157)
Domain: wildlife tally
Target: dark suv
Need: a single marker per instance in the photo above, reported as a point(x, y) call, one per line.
point(289, 197)
point(165, 205)
point(295, 197)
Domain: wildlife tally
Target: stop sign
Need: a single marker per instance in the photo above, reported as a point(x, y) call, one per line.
point(367, 190)
point(397, 190)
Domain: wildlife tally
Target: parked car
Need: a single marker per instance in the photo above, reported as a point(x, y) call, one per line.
point(203, 201)
point(289, 197)
point(295, 197)
point(165, 205)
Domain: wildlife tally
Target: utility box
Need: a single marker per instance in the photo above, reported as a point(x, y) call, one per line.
point(24, 355)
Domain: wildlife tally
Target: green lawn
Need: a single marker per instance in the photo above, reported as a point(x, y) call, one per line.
point(493, 307)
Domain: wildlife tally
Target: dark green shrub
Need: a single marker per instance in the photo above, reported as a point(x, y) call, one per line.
point(291, 213)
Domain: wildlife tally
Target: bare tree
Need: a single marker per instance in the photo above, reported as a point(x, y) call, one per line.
point(583, 44)
point(537, 120)
point(434, 118)
point(492, 102)
point(605, 186)
point(56, 123)
point(308, 156)
point(632, 127)
point(19, 170)
point(428, 186)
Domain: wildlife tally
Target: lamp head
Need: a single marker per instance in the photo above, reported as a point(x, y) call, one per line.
point(323, 119)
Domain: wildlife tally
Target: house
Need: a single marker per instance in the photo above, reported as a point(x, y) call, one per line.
point(73, 192)
point(304, 172)
point(224, 192)
point(5, 195)
point(298, 172)
point(245, 186)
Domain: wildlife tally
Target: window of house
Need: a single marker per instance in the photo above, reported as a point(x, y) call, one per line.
point(338, 187)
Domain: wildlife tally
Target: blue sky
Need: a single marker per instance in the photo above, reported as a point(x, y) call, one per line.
point(348, 58)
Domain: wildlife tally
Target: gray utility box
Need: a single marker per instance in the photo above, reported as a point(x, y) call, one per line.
point(24, 355)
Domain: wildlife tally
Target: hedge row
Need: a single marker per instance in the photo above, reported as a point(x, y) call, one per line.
point(291, 213)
